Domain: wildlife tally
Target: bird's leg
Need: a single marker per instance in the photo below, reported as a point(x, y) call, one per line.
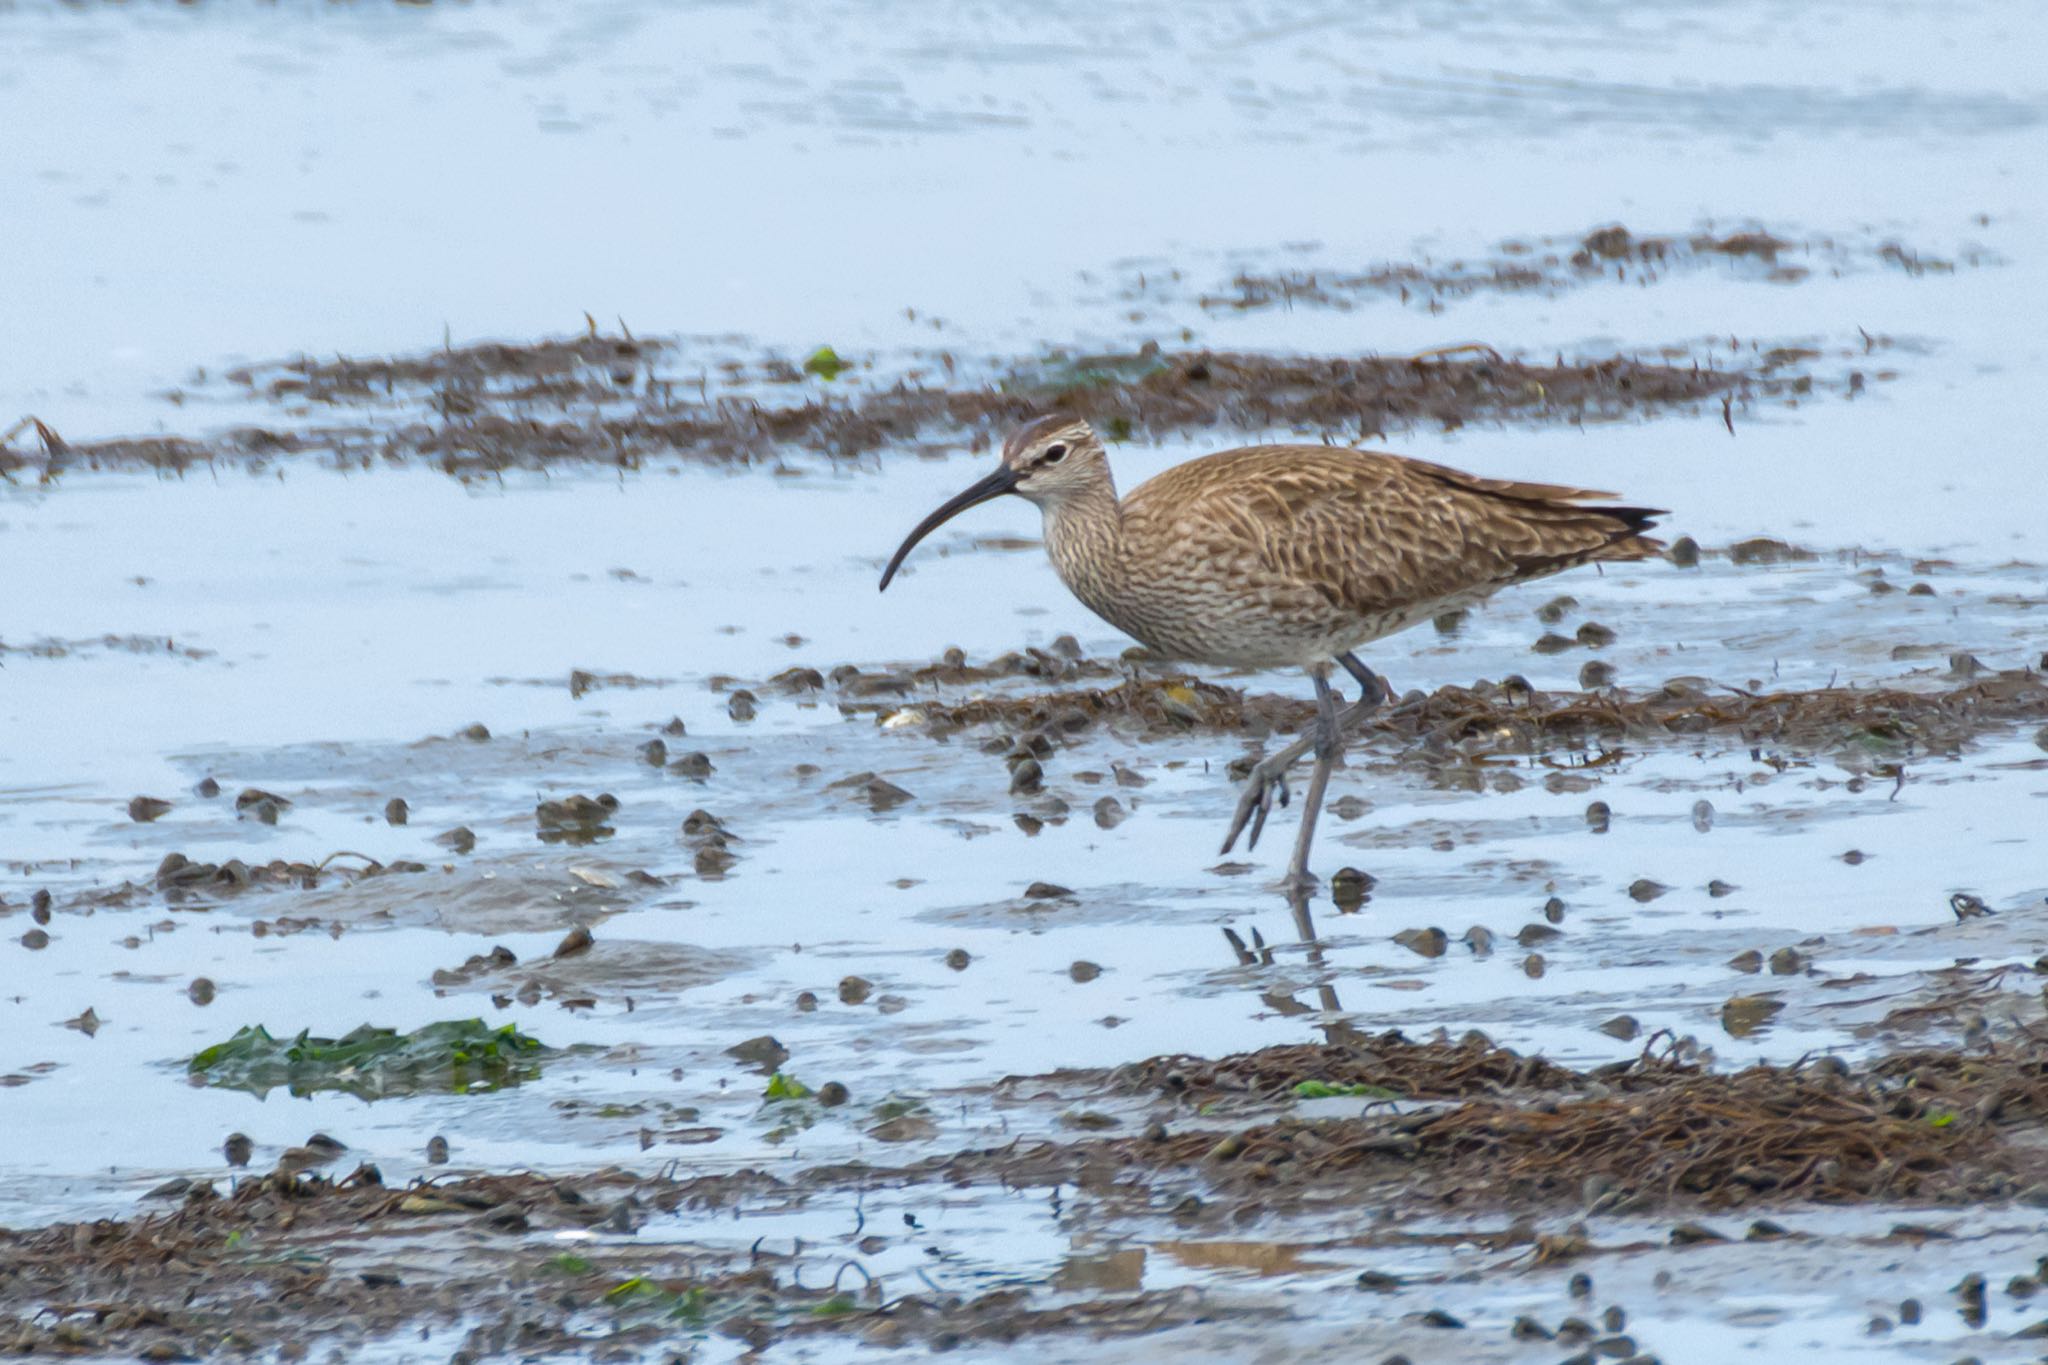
point(1268, 777)
point(1329, 744)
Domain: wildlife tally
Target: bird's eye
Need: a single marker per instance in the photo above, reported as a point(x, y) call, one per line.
point(1054, 453)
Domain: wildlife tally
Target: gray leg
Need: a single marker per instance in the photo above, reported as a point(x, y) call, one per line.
point(1329, 743)
point(1371, 686)
point(1268, 778)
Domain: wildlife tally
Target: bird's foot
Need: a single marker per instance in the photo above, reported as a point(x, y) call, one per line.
point(1266, 783)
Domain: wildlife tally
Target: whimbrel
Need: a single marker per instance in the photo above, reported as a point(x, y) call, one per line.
point(1290, 555)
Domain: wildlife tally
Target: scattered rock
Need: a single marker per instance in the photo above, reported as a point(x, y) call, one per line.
point(763, 1054)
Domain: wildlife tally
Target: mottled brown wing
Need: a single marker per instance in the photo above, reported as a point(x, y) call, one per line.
point(1377, 535)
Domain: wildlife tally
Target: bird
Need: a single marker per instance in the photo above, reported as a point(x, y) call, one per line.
point(1289, 556)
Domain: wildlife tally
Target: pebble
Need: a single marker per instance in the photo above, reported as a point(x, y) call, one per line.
point(143, 809)
point(396, 811)
point(1426, 942)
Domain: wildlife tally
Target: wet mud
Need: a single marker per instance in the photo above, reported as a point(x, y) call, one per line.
point(559, 911)
point(1609, 255)
point(619, 402)
point(605, 1261)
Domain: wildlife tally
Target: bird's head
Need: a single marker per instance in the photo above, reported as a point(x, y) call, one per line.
point(1044, 460)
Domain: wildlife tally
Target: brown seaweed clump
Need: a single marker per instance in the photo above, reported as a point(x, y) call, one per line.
point(603, 400)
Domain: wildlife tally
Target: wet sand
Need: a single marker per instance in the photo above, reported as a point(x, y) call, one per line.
point(486, 877)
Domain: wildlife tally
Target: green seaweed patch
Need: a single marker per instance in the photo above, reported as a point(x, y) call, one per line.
point(825, 363)
point(375, 1063)
point(781, 1087)
point(1323, 1090)
point(691, 1305)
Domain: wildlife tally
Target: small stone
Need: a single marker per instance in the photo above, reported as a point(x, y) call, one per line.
point(1553, 910)
point(238, 1149)
point(1749, 961)
point(1026, 777)
point(1642, 890)
point(1555, 610)
point(1426, 942)
point(958, 959)
point(437, 1150)
point(654, 753)
point(1480, 940)
point(1047, 891)
point(396, 812)
point(1083, 972)
point(577, 940)
point(1744, 1015)
point(1349, 888)
point(1622, 1026)
point(200, 992)
point(1787, 962)
point(206, 788)
point(1533, 934)
point(696, 766)
point(1534, 965)
point(741, 705)
point(143, 809)
point(832, 1094)
point(1595, 674)
point(854, 990)
point(763, 1053)
point(1594, 635)
point(459, 840)
point(35, 940)
point(1109, 813)
point(1598, 817)
point(1693, 1234)
point(1685, 552)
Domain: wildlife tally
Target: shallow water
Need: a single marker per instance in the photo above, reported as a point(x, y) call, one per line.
point(764, 180)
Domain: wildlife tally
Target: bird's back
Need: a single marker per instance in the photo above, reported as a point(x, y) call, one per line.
point(1272, 554)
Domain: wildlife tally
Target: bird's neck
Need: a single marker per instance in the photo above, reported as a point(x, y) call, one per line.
point(1084, 535)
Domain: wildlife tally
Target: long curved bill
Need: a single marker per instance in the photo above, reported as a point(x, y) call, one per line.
point(994, 486)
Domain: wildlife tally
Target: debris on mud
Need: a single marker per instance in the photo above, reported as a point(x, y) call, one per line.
point(334, 1259)
point(599, 400)
point(1865, 727)
point(1612, 254)
point(1463, 1126)
point(1485, 1125)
